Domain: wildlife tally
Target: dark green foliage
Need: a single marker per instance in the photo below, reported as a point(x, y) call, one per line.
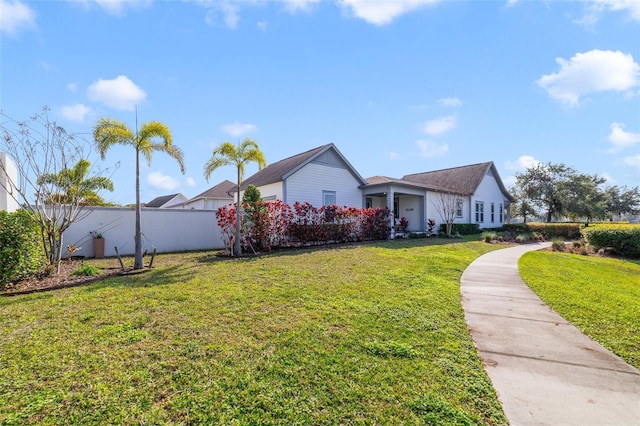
point(21, 252)
point(251, 195)
point(568, 231)
point(461, 228)
point(623, 240)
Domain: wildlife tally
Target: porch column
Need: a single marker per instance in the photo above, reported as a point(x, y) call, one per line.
point(390, 197)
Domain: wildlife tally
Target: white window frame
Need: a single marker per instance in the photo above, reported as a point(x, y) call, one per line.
point(501, 213)
point(326, 194)
point(479, 211)
point(493, 213)
point(459, 208)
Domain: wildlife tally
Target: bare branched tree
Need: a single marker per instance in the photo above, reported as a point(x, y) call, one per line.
point(447, 205)
point(40, 149)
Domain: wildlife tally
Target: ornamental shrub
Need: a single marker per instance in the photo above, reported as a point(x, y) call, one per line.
point(622, 239)
point(461, 229)
point(567, 231)
point(21, 250)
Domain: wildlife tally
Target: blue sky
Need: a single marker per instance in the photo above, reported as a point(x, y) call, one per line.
point(399, 86)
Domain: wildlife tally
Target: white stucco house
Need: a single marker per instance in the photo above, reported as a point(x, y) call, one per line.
point(323, 176)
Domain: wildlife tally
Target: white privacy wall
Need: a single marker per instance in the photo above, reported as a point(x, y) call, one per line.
point(166, 230)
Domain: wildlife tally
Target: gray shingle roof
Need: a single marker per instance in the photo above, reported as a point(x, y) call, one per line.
point(161, 201)
point(462, 180)
point(221, 191)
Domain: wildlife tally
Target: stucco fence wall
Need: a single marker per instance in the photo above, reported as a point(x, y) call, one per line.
point(166, 230)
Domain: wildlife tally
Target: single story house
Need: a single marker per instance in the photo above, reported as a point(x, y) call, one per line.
point(323, 176)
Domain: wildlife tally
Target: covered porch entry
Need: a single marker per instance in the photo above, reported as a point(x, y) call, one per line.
point(403, 200)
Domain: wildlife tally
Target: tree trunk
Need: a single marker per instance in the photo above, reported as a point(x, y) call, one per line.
point(137, 264)
point(238, 246)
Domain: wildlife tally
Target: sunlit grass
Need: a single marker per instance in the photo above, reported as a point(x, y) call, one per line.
point(369, 334)
point(600, 296)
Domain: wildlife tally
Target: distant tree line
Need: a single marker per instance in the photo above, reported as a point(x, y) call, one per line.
point(556, 192)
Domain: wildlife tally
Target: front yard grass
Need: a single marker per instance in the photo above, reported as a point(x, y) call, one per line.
point(600, 296)
point(364, 334)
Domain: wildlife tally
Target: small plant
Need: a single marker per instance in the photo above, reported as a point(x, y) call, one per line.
point(70, 250)
point(557, 245)
point(488, 236)
point(431, 227)
point(96, 235)
point(87, 271)
point(403, 224)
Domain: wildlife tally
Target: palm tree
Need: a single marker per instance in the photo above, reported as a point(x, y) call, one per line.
point(75, 187)
point(227, 153)
point(152, 136)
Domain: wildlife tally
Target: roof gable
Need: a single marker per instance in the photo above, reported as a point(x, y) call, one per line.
point(163, 200)
point(220, 191)
point(281, 170)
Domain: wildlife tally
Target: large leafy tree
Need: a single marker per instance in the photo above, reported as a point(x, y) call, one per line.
point(238, 155)
point(152, 136)
point(622, 200)
point(75, 185)
point(542, 185)
point(583, 197)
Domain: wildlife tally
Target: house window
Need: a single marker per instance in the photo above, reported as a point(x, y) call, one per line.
point(459, 204)
point(328, 198)
point(479, 211)
point(501, 213)
point(368, 202)
point(396, 208)
point(493, 213)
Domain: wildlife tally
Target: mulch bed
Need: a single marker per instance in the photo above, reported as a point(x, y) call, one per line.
point(62, 280)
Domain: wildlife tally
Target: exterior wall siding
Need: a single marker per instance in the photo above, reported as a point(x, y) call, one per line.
point(489, 192)
point(308, 183)
point(271, 190)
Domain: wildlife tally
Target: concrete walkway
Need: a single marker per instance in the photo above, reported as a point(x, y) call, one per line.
point(545, 371)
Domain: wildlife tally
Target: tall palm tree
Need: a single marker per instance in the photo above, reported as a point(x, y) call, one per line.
point(152, 136)
point(227, 153)
point(75, 187)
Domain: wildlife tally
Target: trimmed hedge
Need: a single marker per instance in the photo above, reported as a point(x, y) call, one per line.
point(460, 228)
point(568, 231)
point(21, 251)
point(622, 239)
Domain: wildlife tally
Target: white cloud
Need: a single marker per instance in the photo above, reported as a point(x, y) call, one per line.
point(117, 7)
point(160, 181)
point(620, 138)
point(633, 160)
point(440, 125)
point(522, 163)
point(262, 25)
point(238, 129)
point(191, 182)
point(300, 5)
point(382, 12)
point(592, 71)
point(72, 87)
point(429, 149)
point(393, 156)
point(595, 8)
point(230, 13)
point(450, 102)
point(75, 112)
point(16, 16)
point(119, 93)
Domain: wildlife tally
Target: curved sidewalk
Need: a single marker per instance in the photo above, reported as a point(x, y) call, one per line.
point(545, 371)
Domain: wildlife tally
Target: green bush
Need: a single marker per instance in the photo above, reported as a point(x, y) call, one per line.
point(567, 231)
point(557, 245)
point(87, 270)
point(21, 250)
point(623, 240)
point(488, 236)
point(461, 229)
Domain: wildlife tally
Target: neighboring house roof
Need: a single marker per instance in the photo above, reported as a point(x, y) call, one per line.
point(219, 191)
point(282, 169)
point(462, 180)
point(384, 180)
point(159, 202)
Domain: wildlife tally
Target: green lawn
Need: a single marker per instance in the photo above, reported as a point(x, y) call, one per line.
point(369, 334)
point(600, 296)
